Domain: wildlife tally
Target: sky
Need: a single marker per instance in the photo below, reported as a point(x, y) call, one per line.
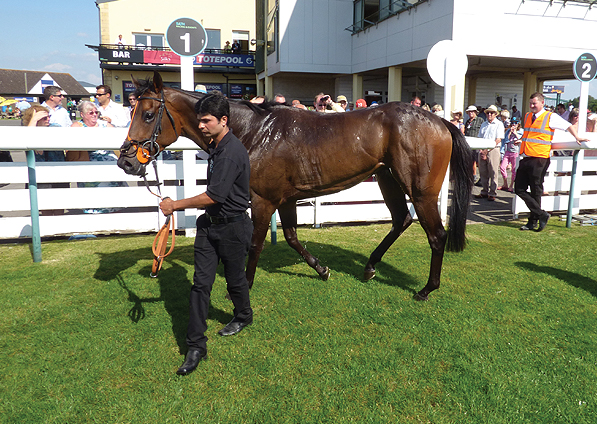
point(50, 36)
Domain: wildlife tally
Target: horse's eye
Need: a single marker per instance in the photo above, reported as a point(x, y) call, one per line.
point(148, 116)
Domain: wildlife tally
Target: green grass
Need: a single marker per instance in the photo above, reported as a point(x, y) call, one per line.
point(510, 337)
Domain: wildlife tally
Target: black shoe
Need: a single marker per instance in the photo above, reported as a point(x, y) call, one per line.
point(191, 361)
point(543, 221)
point(531, 225)
point(234, 327)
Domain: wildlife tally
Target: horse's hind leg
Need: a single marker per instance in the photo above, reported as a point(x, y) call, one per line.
point(395, 200)
point(289, 222)
point(431, 222)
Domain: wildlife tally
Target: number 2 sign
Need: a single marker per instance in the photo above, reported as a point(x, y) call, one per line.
point(585, 67)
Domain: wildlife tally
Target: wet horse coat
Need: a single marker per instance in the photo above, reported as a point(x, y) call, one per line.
point(297, 154)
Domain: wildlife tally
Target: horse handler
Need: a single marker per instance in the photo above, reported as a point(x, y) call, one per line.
point(223, 232)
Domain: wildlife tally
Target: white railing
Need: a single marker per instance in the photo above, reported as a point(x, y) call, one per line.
point(93, 203)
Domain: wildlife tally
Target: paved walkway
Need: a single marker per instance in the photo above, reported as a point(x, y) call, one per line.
point(484, 211)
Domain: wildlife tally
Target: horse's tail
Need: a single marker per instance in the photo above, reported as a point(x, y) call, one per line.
point(461, 168)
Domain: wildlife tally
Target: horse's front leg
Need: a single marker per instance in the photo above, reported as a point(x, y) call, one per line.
point(261, 211)
point(289, 222)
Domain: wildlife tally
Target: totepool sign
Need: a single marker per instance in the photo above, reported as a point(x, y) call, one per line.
point(237, 60)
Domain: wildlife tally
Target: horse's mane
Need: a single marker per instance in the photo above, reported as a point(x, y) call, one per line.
point(147, 85)
point(264, 108)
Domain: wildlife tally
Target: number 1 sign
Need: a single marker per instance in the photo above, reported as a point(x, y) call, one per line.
point(186, 37)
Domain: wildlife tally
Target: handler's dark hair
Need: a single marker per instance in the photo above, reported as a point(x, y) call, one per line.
point(213, 104)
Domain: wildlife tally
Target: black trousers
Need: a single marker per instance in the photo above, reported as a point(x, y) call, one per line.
point(530, 174)
point(230, 244)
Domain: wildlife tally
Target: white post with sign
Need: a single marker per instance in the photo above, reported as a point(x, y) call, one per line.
point(446, 65)
point(187, 38)
point(585, 69)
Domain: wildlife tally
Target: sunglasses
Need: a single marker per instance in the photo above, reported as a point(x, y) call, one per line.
point(491, 113)
point(58, 95)
point(100, 94)
point(93, 112)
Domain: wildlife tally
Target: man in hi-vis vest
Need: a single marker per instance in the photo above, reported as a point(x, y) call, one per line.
point(539, 127)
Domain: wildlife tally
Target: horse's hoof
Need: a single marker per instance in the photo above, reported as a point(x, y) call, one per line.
point(369, 274)
point(325, 274)
point(420, 297)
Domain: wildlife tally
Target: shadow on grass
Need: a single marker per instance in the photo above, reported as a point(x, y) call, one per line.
point(175, 285)
point(572, 278)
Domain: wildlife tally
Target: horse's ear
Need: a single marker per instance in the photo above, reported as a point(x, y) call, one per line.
point(135, 81)
point(157, 82)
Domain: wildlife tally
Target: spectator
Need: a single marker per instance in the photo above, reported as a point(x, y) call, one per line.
point(38, 116)
point(510, 147)
point(489, 159)
point(360, 104)
point(504, 116)
point(573, 119)
point(132, 102)
point(120, 41)
point(59, 116)
point(89, 118)
point(438, 110)
point(516, 113)
point(324, 103)
point(426, 107)
point(298, 104)
point(279, 98)
point(416, 101)
point(471, 129)
point(227, 48)
point(539, 127)
point(110, 111)
point(562, 111)
point(236, 47)
point(258, 99)
point(342, 101)
point(457, 120)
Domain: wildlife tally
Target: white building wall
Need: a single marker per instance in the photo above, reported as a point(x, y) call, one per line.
point(404, 38)
point(312, 37)
point(544, 31)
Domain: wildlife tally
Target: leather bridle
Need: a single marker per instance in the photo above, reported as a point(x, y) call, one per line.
point(144, 149)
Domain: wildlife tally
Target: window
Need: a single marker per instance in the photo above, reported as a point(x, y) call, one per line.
point(148, 40)
point(272, 26)
point(369, 12)
point(243, 38)
point(213, 39)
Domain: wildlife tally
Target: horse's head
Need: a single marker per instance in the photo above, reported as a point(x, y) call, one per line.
point(152, 127)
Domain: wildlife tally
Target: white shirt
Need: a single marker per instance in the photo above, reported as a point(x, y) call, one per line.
point(555, 121)
point(492, 130)
point(117, 113)
point(58, 116)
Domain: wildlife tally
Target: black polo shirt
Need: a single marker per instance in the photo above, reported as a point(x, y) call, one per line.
point(228, 175)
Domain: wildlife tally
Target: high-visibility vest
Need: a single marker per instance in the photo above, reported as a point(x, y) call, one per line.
point(537, 137)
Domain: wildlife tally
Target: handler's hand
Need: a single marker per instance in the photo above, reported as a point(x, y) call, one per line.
point(580, 140)
point(167, 206)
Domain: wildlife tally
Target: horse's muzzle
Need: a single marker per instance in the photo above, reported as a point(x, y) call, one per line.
point(131, 165)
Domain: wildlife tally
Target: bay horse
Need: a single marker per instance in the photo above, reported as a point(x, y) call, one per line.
point(297, 154)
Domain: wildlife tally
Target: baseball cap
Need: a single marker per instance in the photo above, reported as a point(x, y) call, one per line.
point(341, 98)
